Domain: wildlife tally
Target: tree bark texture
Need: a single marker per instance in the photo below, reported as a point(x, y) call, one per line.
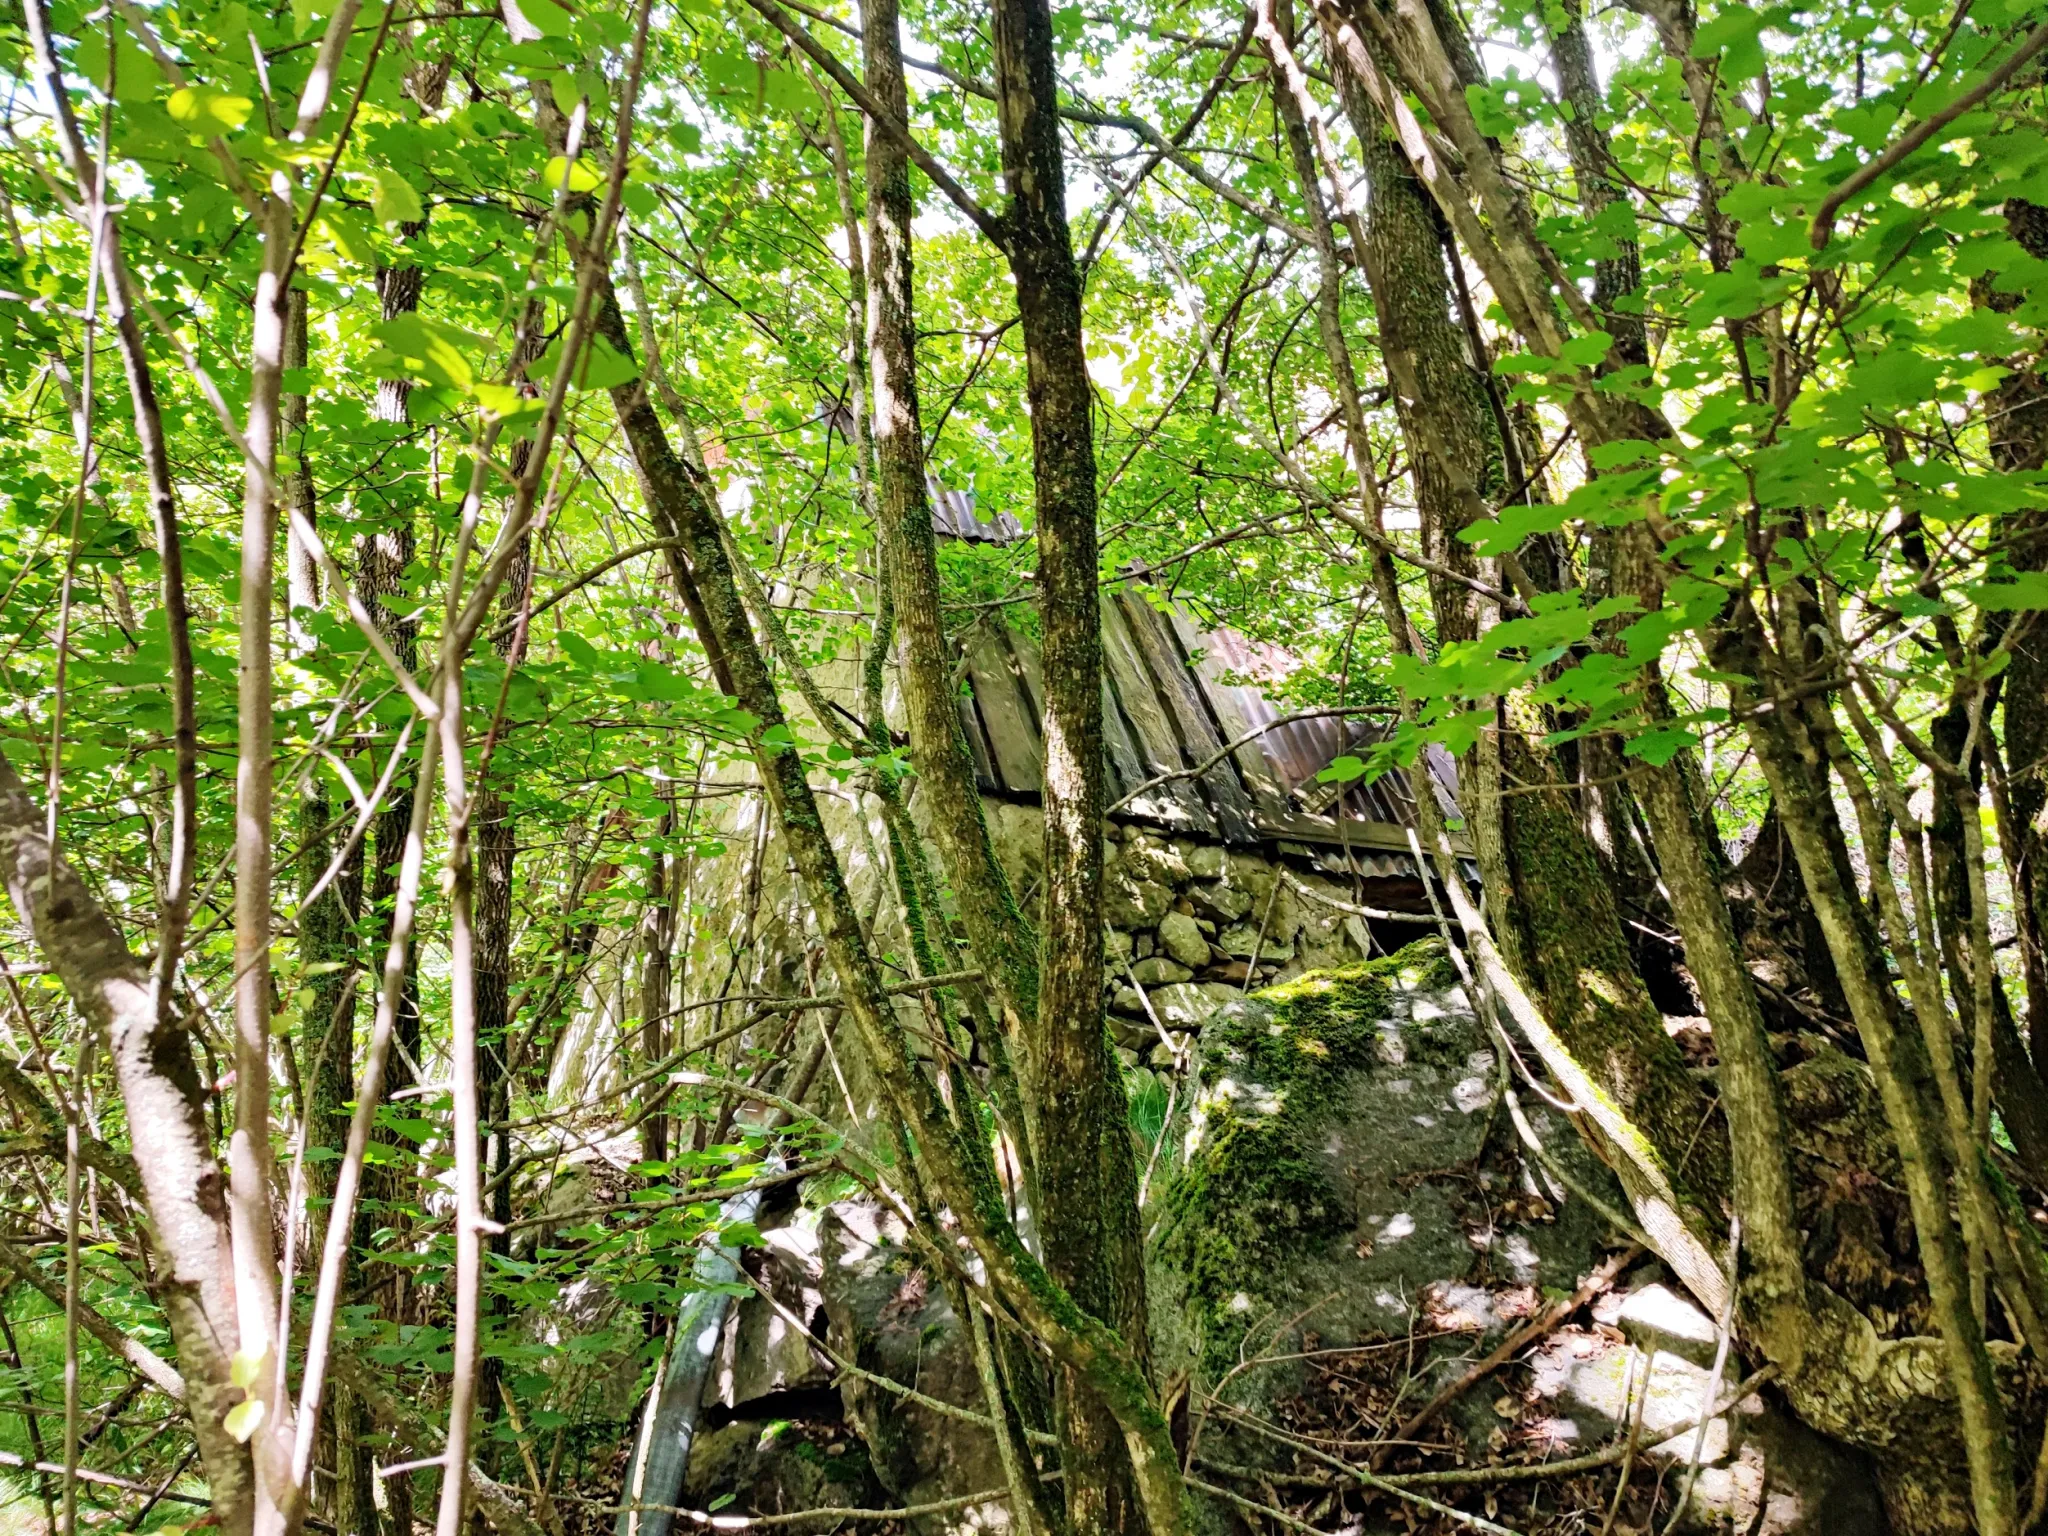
point(1003, 939)
point(1087, 1178)
point(1548, 896)
point(683, 507)
point(165, 1099)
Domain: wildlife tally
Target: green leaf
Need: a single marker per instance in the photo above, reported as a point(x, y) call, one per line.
point(2020, 592)
point(1737, 35)
point(506, 403)
point(545, 17)
point(245, 1368)
point(395, 201)
point(1587, 350)
point(583, 176)
point(599, 366)
point(136, 76)
point(1342, 770)
point(244, 1419)
point(207, 111)
point(430, 350)
point(1658, 747)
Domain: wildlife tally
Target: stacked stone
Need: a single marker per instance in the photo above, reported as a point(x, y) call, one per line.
point(1191, 925)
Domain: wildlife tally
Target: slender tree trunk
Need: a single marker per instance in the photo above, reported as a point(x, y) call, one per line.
point(1087, 1178)
point(165, 1098)
point(382, 559)
point(657, 973)
point(2018, 423)
point(327, 950)
point(1002, 937)
point(1796, 769)
point(683, 508)
point(1548, 896)
point(1618, 276)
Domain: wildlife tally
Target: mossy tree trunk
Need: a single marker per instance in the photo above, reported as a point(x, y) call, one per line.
point(683, 508)
point(1548, 895)
point(1003, 940)
point(1087, 1176)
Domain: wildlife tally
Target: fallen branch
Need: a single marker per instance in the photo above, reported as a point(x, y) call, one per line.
point(1537, 1327)
point(1300, 887)
point(104, 1479)
point(1246, 739)
point(160, 1373)
point(1470, 1522)
point(834, 1512)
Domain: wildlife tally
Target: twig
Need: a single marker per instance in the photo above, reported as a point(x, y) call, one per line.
point(104, 1479)
point(1301, 887)
point(834, 1512)
point(1635, 1432)
point(1231, 746)
point(1544, 1322)
point(1824, 217)
point(1459, 1516)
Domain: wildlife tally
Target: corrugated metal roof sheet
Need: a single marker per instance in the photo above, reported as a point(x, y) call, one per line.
point(953, 516)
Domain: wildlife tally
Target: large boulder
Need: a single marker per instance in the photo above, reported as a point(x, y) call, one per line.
point(890, 1316)
point(1349, 1181)
point(1322, 1107)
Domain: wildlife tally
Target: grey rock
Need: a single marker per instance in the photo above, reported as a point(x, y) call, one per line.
point(760, 1353)
point(893, 1318)
point(1226, 903)
point(772, 1466)
point(1586, 1386)
point(1136, 1035)
point(1188, 1004)
point(1183, 939)
point(1147, 859)
point(1240, 939)
point(1131, 901)
point(1206, 861)
point(1158, 971)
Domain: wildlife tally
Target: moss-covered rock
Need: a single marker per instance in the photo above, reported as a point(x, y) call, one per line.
point(1314, 1099)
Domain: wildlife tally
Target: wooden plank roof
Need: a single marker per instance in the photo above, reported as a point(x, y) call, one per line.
point(1175, 696)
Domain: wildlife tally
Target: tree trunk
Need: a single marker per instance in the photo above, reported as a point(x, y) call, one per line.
point(165, 1099)
point(1002, 937)
point(327, 950)
point(1087, 1178)
point(2017, 418)
point(1548, 895)
point(382, 558)
point(682, 506)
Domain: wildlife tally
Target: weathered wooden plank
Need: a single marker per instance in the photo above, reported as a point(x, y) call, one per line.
point(1322, 830)
point(985, 778)
point(1013, 737)
point(1122, 768)
point(1159, 748)
point(1239, 711)
point(1199, 739)
point(1288, 749)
